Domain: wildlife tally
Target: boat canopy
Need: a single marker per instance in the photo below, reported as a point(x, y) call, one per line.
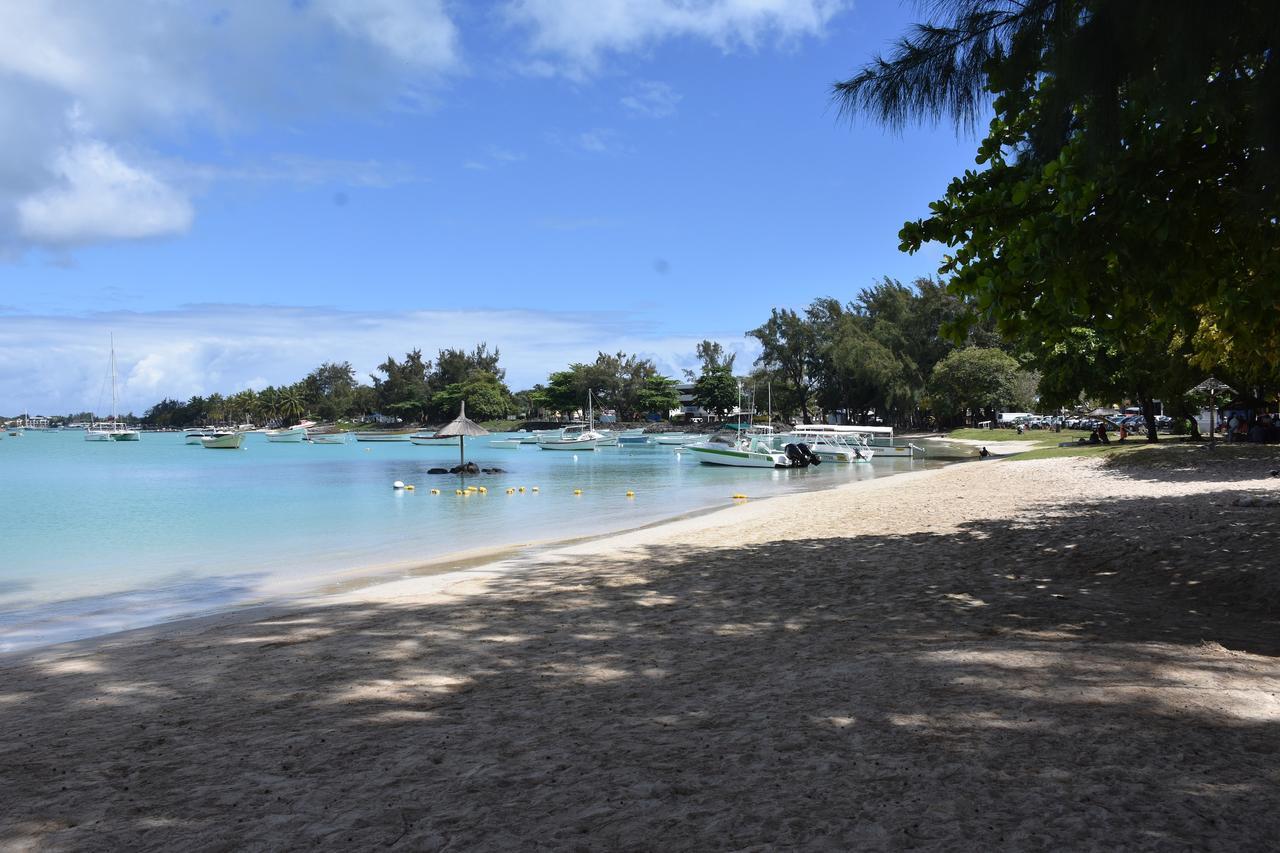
point(841, 429)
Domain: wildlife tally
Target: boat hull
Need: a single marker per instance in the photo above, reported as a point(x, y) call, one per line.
point(382, 436)
point(434, 441)
point(330, 438)
point(286, 436)
point(588, 444)
point(232, 441)
point(737, 458)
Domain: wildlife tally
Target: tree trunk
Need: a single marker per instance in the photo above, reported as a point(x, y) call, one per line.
point(1149, 415)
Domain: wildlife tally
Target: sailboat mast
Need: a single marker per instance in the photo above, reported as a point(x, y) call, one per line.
point(591, 414)
point(113, 377)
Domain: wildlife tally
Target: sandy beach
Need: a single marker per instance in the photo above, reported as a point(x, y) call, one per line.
point(1022, 655)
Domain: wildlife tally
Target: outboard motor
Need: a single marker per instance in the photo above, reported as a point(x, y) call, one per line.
point(801, 456)
point(796, 455)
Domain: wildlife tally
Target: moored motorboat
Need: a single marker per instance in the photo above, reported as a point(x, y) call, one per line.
point(289, 435)
point(223, 441)
point(432, 440)
point(327, 437)
point(832, 446)
point(382, 435)
point(193, 435)
point(738, 451)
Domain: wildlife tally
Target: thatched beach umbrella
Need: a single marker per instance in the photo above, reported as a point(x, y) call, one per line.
point(462, 426)
point(1213, 387)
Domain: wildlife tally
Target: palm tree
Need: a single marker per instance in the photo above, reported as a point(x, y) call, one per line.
point(292, 403)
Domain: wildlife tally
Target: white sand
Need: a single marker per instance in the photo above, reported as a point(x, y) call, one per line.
point(1002, 655)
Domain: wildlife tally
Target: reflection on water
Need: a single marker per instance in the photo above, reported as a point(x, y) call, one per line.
point(99, 536)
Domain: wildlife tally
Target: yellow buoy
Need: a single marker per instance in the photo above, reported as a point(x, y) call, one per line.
point(522, 489)
point(409, 488)
point(739, 497)
point(483, 490)
point(577, 491)
point(457, 491)
point(631, 494)
point(435, 491)
point(534, 489)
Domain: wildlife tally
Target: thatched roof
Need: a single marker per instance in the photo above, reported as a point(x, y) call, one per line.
point(462, 425)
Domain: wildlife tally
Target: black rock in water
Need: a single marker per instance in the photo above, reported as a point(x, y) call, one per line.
point(438, 471)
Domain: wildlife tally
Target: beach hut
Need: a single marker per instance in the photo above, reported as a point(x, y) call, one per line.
point(462, 426)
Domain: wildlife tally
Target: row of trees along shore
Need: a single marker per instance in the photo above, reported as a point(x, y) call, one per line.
point(880, 355)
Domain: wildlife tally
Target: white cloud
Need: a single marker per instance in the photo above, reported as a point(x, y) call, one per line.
point(100, 197)
point(57, 364)
point(82, 82)
point(650, 99)
point(573, 37)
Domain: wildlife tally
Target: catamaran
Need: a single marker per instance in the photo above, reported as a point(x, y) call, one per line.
point(878, 438)
point(111, 430)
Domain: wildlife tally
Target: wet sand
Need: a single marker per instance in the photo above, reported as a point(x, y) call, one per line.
point(1043, 655)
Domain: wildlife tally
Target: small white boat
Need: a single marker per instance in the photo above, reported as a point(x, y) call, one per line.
point(637, 439)
point(506, 443)
point(738, 451)
point(193, 435)
point(678, 438)
point(576, 437)
point(832, 446)
point(327, 437)
point(291, 435)
point(381, 435)
point(424, 440)
point(878, 438)
point(223, 441)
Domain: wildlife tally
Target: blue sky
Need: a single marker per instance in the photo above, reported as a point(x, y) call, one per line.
point(240, 190)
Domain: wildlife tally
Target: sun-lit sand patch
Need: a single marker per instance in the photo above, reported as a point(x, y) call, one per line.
point(74, 666)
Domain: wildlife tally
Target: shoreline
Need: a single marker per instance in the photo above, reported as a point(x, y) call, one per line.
point(430, 576)
point(961, 652)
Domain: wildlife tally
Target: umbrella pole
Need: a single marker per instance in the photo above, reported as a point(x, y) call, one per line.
point(462, 450)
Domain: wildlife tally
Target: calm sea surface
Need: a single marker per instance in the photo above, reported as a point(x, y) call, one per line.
point(104, 536)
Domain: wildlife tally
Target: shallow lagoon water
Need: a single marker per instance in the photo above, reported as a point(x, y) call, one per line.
point(104, 536)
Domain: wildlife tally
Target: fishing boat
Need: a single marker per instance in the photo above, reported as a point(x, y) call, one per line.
point(383, 435)
point(424, 440)
point(193, 435)
point(223, 441)
point(290, 435)
point(327, 437)
point(738, 451)
point(111, 430)
point(677, 439)
point(832, 446)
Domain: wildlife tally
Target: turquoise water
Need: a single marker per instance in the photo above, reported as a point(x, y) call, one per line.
point(104, 536)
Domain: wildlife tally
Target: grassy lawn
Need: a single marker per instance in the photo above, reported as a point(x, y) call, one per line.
point(1042, 437)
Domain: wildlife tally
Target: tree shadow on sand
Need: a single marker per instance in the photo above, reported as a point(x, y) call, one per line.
point(1081, 679)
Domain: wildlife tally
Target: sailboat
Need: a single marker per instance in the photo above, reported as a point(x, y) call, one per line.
point(576, 436)
point(111, 430)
